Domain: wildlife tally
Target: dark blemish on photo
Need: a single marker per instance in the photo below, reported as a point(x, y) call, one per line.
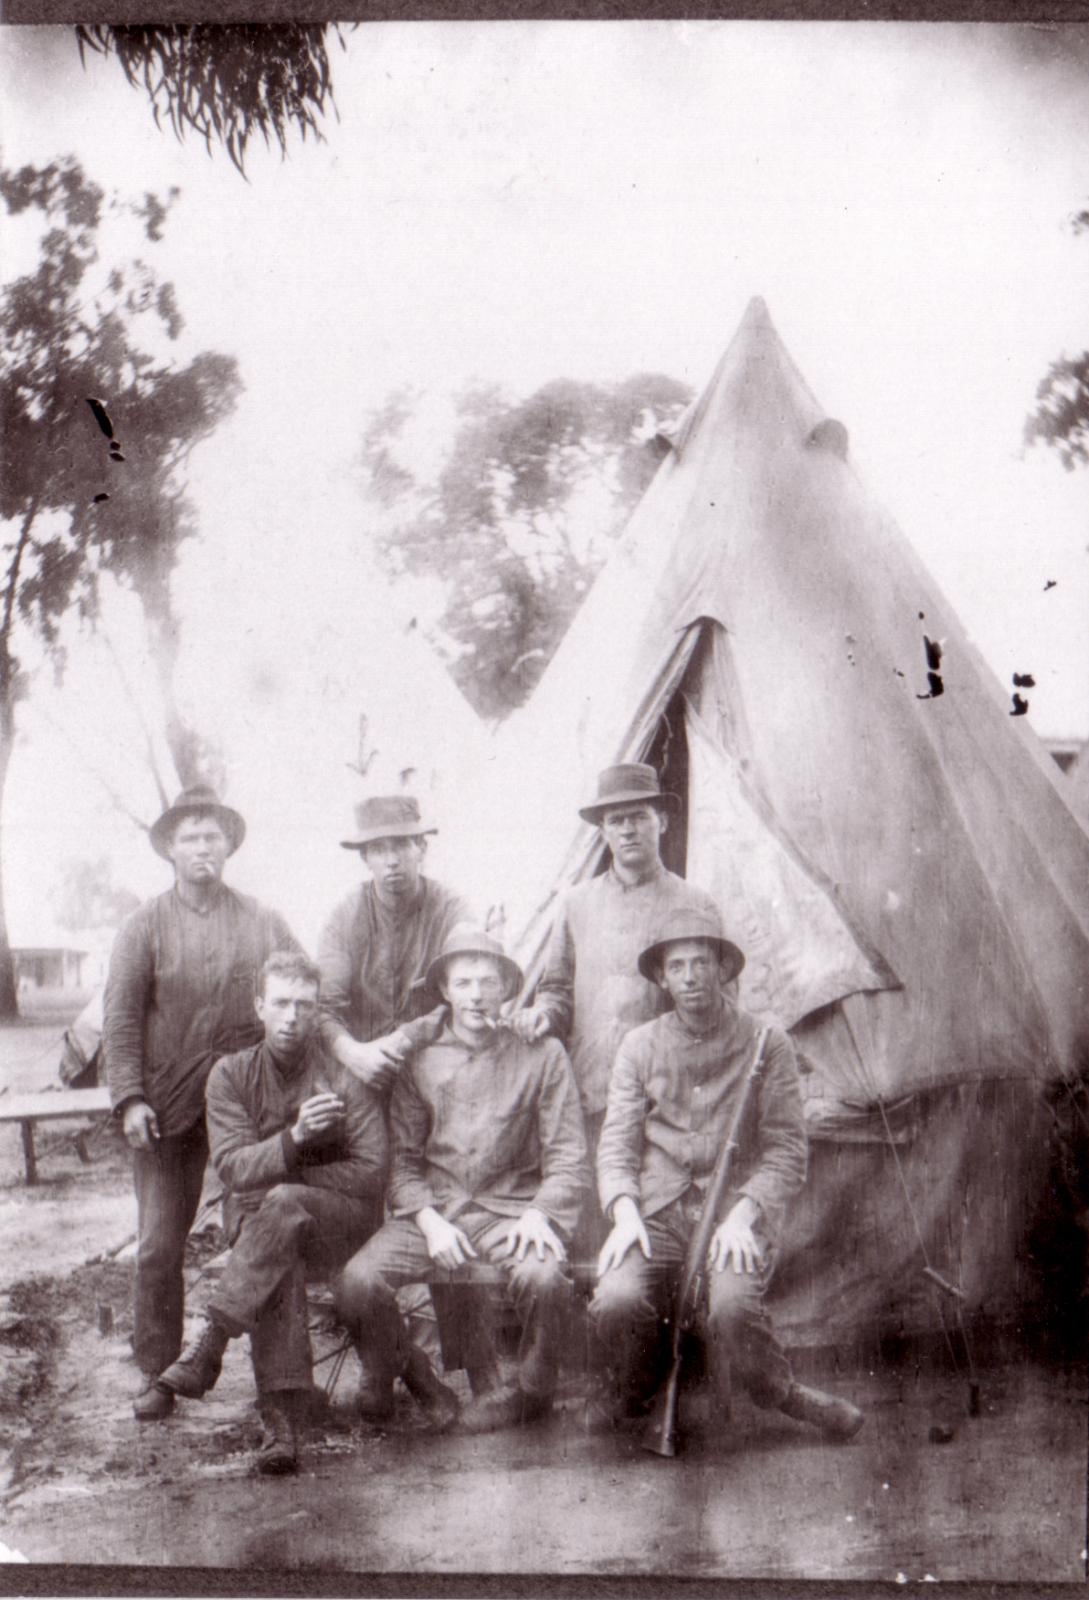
point(101, 416)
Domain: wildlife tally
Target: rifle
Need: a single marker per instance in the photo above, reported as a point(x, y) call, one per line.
point(661, 1430)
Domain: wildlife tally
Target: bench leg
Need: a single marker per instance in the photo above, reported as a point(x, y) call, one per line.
point(27, 1129)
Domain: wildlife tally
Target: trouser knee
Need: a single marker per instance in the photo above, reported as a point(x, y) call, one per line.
point(541, 1283)
point(283, 1211)
point(361, 1290)
point(617, 1308)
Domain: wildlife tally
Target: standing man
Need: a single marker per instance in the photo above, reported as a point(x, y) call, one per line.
point(301, 1148)
point(672, 1098)
point(376, 948)
point(488, 1161)
point(178, 996)
point(591, 992)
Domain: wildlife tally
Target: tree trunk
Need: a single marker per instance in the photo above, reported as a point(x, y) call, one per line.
point(9, 996)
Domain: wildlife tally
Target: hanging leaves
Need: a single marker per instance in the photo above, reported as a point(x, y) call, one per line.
point(226, 83)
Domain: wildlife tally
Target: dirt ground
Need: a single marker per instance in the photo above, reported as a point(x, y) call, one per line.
point(1004, 1499)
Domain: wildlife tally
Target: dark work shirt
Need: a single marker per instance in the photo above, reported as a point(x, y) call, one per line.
point(373, 960)
point(253, 1100)
point(180, 994)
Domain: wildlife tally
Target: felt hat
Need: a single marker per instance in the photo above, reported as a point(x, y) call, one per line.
point(198, 798)
point(689, 922)
point(386, 816)
point(624, 785)
point(466, 940)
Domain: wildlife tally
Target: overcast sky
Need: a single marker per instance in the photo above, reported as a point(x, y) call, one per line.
point(523, 201)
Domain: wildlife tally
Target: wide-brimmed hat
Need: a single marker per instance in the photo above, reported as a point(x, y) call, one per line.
point(386, 816)
point(199, 797)
point(467, 940)
point(689, 922)
point(623, 785)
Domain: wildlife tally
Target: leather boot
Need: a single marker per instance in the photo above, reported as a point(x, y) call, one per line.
point(199, 1364)
point(439, 1403)
point(153, 1403)
point(375, 1397)
point(837, 1419)
point(279, 1451)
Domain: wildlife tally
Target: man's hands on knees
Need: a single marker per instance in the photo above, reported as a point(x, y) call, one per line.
point(447, 1244)
point(628, 1229)
point(734, 1240)
point(317, 1116)
point(376, 1063)
point(531, 1023)
point(140, 1125)
point(533, 1230)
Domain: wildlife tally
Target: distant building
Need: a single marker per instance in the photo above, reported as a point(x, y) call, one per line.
point(54, 958)
point(51, 967)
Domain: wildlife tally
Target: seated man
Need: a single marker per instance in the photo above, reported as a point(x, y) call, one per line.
point(488, 1161)
point(672, 1096)
point(301, 1148)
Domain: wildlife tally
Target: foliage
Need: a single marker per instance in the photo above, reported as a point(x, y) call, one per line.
point(1061, 418)
point(225, 82)
point(86, 494)
point(94, 434)
point(87, 896)
point(520, 516)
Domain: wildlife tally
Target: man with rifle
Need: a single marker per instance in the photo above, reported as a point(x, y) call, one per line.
point(699, 1083)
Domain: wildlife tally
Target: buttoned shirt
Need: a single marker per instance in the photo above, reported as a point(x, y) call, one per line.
point(253, 1099)
point(374, 960)
point(497, 1128)
point(671, 1100)
point(591, 986)
point(180, 994)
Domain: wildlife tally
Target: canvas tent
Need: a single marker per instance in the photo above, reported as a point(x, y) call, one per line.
point(1077, 785)
point(911, 887)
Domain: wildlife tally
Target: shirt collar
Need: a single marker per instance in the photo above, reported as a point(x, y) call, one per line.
point(287, 1072)
point(492, 1045)
point(406, 909)
point(657, 871)
point(725, 1030)
point(200, 911)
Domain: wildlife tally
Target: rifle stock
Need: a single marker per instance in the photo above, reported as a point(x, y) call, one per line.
point(660, 1435)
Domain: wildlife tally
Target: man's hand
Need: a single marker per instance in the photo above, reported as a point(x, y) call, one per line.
point(734, 1240)
point(533, 1228)
point(447, 1244)
point(317, 1117)
point(531, 1023)
point(140, 1125)
point(375, 1063)
point(628, 1229)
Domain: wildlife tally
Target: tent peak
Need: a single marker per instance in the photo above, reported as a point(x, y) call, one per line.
point(757, 313)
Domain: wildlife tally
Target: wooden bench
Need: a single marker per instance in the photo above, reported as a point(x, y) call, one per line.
point(27, 1109)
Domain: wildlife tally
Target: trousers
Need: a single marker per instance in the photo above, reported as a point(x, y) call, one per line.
point(633, 1304)
point(296, 1232)
point(168, 1180)
point(540, 1291)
